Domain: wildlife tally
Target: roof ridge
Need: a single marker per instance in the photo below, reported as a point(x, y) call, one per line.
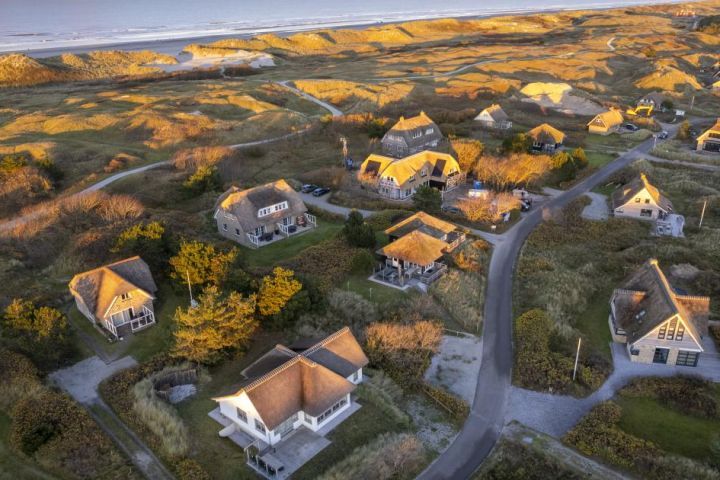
point(103, 267)
point(685, 296)
point(326, 340)
point(275, 371)
point(667, 288)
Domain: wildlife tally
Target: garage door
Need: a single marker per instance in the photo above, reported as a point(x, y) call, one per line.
point(687, 359)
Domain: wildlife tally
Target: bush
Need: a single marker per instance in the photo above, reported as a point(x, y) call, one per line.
point(204, 179)
point(149, 240)
point(384, 219)
point(357, 232)
point(201, 263)
point(325, 262)
point(363, 263)
point(427, 199)
point(693, 395)
point(403, 351)
point(389, 456)
point(513, 460)
point(461, 294)
point(456, 407)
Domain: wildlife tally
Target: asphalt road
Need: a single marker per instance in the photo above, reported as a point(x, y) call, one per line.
point(487, 415)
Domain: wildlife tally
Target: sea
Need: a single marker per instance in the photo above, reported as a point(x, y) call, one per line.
point(44, 27)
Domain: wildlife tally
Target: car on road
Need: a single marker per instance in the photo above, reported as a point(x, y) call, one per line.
point(308, 188)
point(319, 192)
point(663, 135)
point(451, 209)
point(525, 205)
point(631, 127)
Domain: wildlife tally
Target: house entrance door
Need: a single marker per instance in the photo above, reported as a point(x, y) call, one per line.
point(661, 355)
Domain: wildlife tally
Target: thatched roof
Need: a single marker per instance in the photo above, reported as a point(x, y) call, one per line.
point(626, 193)
point(647, 299)
point(285, 382)
point(496, 113)
point(407, 129)
point(546, 134)
point(423, 222)
point(715, 129)
point(415, 247)
point(100, 287)
point(436, 164)
point(609, 119)
point(246, 204)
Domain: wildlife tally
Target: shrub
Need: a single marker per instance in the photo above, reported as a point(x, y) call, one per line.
point(403, 351)
point(693, 395)
point(324, 262)
point(683, 132)
point(362, 263)
point(20, 379)
point(518, 143)
point(389, 456)
point(357, 232)
point(204, 179)
point(427, 199)
point(276, 290)
point(515, 460)
point(384, 402)
point(468, 152)
point(384, 219)
point(189, 469)
point(456, 407)
point(148, 239)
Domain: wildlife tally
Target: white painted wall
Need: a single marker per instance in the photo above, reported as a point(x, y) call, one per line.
point(643, 200)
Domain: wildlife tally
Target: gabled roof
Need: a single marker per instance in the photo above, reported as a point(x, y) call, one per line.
point(415, 247)
point(245, 204)
point(626, 193)
point(715, 129)
point(286, 381)
point(402, 169)
point(98, 288)
point(653, 97)
point(496, 113)
point(406, 127)
point(609, 119)
point(423, 222)
point(647, 299)
point(546, 133)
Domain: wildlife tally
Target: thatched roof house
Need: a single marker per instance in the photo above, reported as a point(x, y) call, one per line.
point(117, 294)
point(546, 138)
point(494, 117)
point(288, 388)
point(411, 135)
point(658, 324)
point(640, 199)
point(606, 122)
point(709, 140)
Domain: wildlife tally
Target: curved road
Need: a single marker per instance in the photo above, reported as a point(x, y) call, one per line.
point(487, 415)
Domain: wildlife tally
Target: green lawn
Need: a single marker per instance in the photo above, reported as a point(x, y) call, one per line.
point(373, 291)
point(593, 323)
point(12, 466)
point(146, 343)
point(288, 248)
point(672, 431)
point(599, 159)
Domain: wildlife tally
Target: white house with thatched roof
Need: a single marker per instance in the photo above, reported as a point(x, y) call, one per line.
point(411, 135)
point(494, 117)
point(641, 200)
point(658, 324)
point(117, 297)
point(261, 215)
point(292, 391)
point(399, 178)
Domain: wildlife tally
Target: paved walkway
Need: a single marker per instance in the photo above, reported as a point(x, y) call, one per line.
point(455, 367)
point(324, 203)
point(556, 414)
point(598, 208)
point(332, 109)
point(81, 381)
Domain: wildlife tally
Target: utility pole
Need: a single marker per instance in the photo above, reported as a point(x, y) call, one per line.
point(692, 102)
point(702, 214)
point(577, 356)
point(193, 303)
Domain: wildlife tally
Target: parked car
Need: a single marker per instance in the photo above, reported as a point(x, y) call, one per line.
point(631, 127)
point(309, 188)
point(663, 135)
point(525, 206)
point(319, 192)
point(451, 209)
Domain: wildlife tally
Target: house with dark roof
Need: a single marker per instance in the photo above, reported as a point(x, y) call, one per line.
point(117, 297)
point(261, 215)
point(709, 140)
point(494, 117)
point(414, 254)
point(546, 138)
point(411, 135)
point(292, 391)
point(399, 178)
point(656, 322)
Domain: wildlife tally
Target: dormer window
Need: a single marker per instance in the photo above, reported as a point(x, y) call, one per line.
point(125, 296)
point(429, 131)
point(264, 212)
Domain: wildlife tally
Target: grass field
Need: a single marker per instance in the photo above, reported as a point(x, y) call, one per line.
point(593, 323)
point(671, 430)
point(290, 247)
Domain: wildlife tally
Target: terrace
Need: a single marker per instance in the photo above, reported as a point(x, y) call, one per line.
point(289, 227)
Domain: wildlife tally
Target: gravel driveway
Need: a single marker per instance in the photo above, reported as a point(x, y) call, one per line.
point(598, 208)
point(456, 365)
point(82, 379)
point(556, 414)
